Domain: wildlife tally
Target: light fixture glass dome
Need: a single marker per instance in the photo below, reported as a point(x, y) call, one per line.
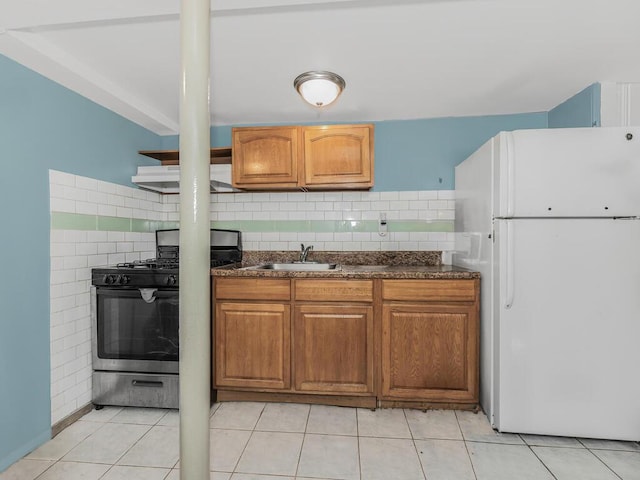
point(319, 88)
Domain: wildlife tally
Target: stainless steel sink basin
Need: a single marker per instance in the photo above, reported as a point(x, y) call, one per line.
point(297, 266)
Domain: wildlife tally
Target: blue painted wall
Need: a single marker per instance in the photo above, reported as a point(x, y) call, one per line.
point(419, 154)
point(422, 154)
point(43, 126)
point(581, 110)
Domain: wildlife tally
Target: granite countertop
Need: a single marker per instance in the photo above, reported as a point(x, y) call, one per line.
point(398, 265)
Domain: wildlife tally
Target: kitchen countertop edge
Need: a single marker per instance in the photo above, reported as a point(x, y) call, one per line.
point(447, 272)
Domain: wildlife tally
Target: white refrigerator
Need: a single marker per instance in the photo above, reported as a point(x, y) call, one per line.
point(551, 219)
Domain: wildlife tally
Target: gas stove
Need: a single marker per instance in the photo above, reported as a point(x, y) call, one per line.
point(163, 271)
point(135, 321)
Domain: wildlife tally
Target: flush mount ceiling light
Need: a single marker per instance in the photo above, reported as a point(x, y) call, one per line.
point(319, 88)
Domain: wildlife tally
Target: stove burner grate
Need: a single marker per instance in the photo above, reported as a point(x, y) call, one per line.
point(167, 263)
point(157, 263)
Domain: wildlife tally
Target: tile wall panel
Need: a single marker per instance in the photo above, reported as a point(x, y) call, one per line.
point(340, 221)
point(96, 223)
point(79, 206)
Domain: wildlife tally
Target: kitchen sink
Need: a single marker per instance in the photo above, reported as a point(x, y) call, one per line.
point(297, 266)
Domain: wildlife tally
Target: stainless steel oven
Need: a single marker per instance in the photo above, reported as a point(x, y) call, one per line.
point(136, 329)
point(135, 323)
point(135, 346)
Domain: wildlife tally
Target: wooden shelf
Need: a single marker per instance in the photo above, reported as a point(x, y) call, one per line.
point(219, 155)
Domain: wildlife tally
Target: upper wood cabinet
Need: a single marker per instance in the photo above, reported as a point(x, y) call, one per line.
point(265, 157)
point(328, 157)
point(338, 156)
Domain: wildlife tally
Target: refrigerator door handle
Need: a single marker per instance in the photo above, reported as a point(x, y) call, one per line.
point(510, 265)
point(511, 175)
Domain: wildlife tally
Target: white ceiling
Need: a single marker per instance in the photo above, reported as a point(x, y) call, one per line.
point(401, 59)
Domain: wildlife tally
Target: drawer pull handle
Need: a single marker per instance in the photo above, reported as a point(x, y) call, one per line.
point(146, 383)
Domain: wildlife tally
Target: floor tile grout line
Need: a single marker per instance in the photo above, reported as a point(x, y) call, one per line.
point(464, 438)
point(244, 449)
point(415, 447)
point(108, 470)
point(568, 447)
point(540, 460)
point(304, 438)
point(55, 460)
point(473, 467)
point(45, 470)
point(143, 435)
point(171, 470)
point(166, 411)
point(581, 441)
point(134, 444)
point(358, 443)
point(612, 450)
point(60, 459)
point(466, 447)
point(604, 463)
point(413, 441)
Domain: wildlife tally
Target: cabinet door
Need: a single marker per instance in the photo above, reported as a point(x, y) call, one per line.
point(265, 157)
point(252, 345)
point(429, 352)
point(338, 156)
point(333, 348)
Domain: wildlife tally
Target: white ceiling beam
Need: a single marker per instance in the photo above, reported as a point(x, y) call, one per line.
point(41, 56)
point(37, 15)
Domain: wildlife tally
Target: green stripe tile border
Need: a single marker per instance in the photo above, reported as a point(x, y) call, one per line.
point(73, 221)
point(79, 221)
point(330, 226)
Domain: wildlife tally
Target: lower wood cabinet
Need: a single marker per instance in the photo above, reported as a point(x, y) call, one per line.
point(333, 349)
point(252, 333)
point(428, 353)
point(252, 347)
point(412, 342)
point(430, 340)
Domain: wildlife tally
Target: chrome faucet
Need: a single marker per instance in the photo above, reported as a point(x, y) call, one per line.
point(304, 252)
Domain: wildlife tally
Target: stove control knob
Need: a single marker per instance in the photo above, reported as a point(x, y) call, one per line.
point(109, 279)
point(124, 279)
point(171, 280)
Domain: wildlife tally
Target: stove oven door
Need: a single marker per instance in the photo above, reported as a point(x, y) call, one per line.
point(135, 330)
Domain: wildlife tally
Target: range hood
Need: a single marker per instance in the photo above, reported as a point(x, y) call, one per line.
point(166, 178)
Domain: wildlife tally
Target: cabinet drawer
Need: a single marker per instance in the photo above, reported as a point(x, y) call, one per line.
point(334, 290)
point(252, 289)
point(429, 290)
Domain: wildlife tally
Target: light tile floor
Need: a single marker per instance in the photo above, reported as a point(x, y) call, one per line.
point(258, 441)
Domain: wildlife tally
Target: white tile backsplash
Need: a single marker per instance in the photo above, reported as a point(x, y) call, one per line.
point(75, 252)
point(412, 206)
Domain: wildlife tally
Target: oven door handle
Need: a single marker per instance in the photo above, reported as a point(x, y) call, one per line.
point(148, 294)
point(146, 383)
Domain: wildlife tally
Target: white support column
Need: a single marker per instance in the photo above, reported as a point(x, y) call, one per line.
point(195, 302)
